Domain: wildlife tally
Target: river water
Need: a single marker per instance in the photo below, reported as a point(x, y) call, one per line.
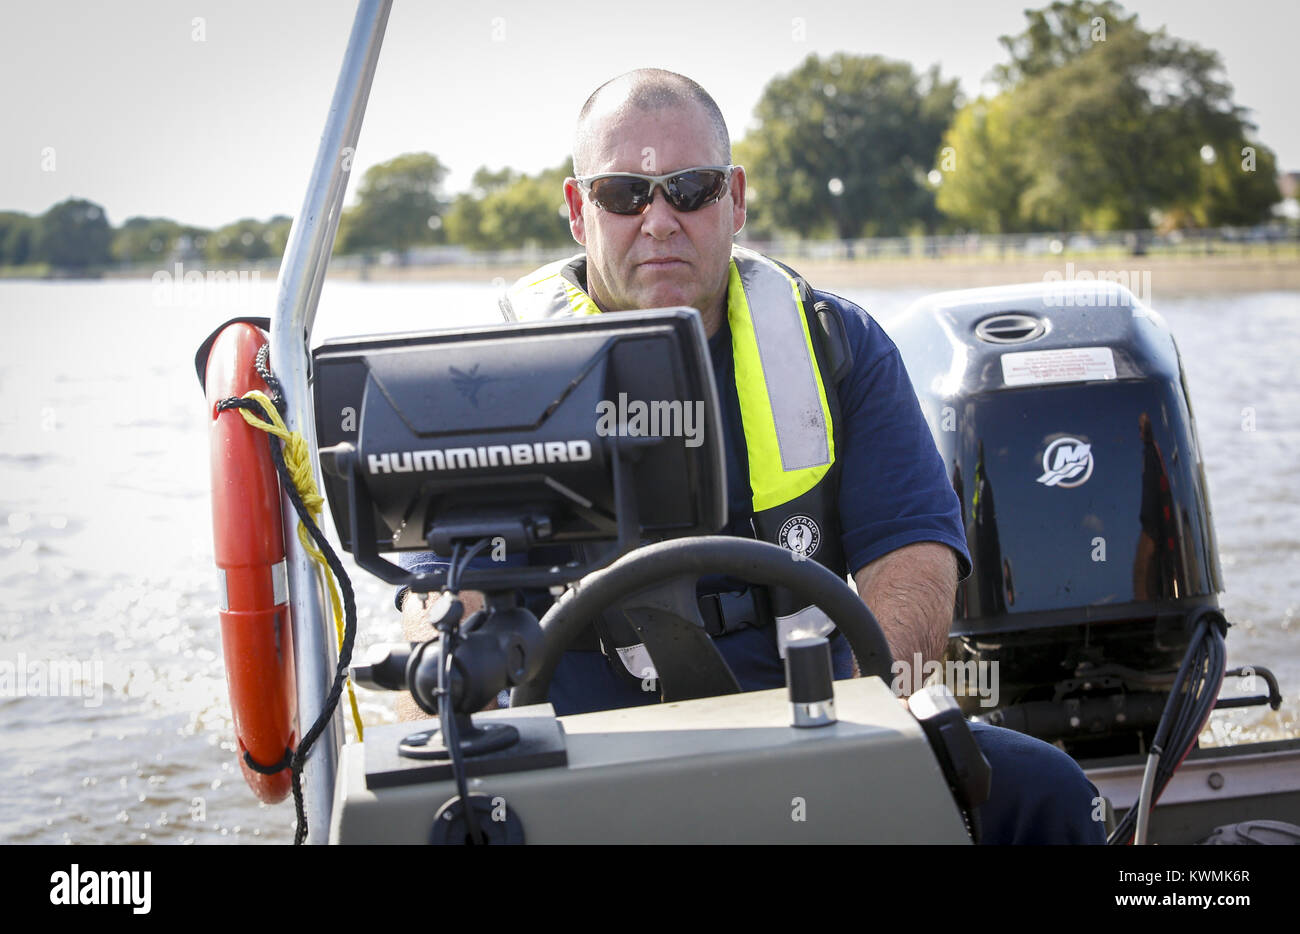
point(108, 581)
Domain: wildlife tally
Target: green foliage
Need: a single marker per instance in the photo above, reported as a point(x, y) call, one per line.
point(759, 224)
point(247, 240)
point(1238, 185)
point(399, 206)
point(506, 210)
point(145, 240)
point(74, 234)
point(1058, 35)
point(982, 179)
point(871, 123)
point(17, 238)
point(1101, 124)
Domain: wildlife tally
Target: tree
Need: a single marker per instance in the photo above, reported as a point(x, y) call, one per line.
point(247, 240)
point(980, 170)
point(74, 234)
point(1101, 124)
point(1238, 185)
point(399, 205)
point(463, 222)
point(145, 239)
point(759, 224)
point(17, 237)
point(276, 233)
point(1056, 36)
point(507, 210)
point(843, 145)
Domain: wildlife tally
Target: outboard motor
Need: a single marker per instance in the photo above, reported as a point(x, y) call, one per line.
point(1062, 413)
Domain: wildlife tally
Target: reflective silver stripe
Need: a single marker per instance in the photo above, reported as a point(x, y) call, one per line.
point(279, 585)
point(804, 624)
point(280, 582)
point(787, 365)
point(636, 659)
point(821, 713)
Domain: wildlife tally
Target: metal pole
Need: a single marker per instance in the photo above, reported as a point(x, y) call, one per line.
point(305, 256)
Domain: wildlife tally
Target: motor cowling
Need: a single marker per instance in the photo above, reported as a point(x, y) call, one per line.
point(1062, 413)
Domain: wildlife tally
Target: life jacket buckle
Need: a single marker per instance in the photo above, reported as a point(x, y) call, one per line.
point(725, 613)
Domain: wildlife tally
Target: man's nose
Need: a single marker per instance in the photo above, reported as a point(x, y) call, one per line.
point(659, 220)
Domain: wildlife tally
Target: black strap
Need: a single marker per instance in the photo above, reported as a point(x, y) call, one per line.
point(286, 762)
point(205, 348)
point(725, 613)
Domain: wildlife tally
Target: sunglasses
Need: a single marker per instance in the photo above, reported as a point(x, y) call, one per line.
point(629, 193)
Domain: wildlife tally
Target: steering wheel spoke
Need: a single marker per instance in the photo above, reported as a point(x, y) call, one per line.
point(667, 619)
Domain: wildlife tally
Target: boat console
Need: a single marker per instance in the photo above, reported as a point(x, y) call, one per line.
point(510, 438)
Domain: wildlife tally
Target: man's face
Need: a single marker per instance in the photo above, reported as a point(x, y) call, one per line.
point(662, 257)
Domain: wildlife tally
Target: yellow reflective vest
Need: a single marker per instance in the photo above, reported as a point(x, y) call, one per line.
point(788, 407)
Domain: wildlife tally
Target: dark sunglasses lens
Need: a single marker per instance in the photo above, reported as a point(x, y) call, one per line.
point(691, 191)
point(620, 195)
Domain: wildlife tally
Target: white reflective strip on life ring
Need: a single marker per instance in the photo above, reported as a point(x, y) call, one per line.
point(280, 581)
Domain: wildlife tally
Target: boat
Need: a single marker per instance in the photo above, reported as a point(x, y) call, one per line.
point(1071, 400)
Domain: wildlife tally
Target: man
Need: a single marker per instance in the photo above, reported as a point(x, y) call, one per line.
point(656, 202)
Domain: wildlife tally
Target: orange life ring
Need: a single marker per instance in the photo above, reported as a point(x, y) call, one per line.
point(248, 538)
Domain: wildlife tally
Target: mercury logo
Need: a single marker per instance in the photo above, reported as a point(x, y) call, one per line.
point(800, 535)
point(1067, 463)
point(478, 458)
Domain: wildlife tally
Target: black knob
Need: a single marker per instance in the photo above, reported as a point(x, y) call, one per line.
point(808, 677)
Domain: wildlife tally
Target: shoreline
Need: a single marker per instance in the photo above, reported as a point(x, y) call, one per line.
point(1163, 275)
point(1147, 276)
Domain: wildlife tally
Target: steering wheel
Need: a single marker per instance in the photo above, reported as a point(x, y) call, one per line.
point(654, 587)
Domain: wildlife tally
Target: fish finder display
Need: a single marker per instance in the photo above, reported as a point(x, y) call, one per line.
point(600, 431)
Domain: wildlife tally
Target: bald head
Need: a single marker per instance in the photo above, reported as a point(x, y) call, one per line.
point(645, 90)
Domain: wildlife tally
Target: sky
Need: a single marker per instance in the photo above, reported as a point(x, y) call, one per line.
point(207, 111)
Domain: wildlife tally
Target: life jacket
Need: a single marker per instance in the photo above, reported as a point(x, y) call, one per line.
point(790, 352)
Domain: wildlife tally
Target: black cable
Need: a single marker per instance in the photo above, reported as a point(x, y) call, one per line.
point(1192, 698)
point(450, 731)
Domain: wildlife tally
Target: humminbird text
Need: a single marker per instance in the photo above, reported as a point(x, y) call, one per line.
point(105, 887)
point(478, 458)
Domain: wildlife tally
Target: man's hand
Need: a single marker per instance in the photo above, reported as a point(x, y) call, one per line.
point(417, 628)
point(911, 592)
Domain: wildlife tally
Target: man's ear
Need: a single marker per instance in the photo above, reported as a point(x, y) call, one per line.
point(737, 199)
point(573, 199)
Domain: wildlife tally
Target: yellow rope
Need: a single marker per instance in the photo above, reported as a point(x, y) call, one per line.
point(298, 459)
